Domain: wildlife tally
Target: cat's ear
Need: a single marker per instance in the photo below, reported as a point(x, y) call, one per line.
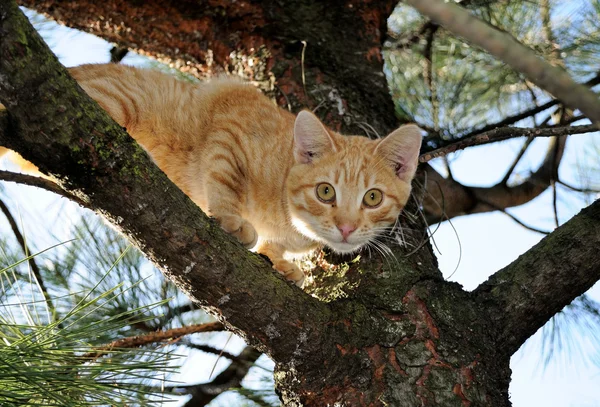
point(401, 150)
point(311, 139)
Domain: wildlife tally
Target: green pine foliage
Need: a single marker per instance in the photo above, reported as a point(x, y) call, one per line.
point(469, 88)
point(48, 360)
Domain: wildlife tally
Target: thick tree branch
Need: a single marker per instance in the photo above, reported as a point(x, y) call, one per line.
point(93, 158)
point(505, 47)
point(505, 133)
point(526, 293)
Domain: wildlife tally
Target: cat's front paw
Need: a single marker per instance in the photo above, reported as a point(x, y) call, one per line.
point(290, 271)
point(240, 228)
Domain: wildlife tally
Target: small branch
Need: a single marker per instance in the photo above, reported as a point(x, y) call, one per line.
point(514, 218)
point(581, 190)
point(153, 337)
point(558, 269)
point(506, 133)
point(554, 203)
point(213, 350)
point(32, 264)
point(39, 182)
point(520, 222)
point(505, 47)
point(231, 377)
point(517, 159)
point(515, 118)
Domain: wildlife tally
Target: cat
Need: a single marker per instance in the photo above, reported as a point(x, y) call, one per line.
point(280, 183)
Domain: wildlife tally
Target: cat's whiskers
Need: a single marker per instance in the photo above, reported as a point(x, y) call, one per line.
point(385, 251)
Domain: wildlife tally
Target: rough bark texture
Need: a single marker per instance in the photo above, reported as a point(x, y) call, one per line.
point(374, 332)
point(526, 294)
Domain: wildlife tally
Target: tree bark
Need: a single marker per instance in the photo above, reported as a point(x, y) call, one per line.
point(374, 332)
point(525, 294)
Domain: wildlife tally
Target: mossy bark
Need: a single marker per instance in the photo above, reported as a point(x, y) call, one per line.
point(375, 331)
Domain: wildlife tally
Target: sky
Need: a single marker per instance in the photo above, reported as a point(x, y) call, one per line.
point(470, 248)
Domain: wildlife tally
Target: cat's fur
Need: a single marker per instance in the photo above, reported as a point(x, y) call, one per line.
point(256, 167)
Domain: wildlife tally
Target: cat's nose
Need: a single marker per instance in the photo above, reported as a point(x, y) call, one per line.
point(346, 229)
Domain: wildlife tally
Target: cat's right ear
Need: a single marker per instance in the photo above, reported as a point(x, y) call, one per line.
point(401, 150)
point(311, 138)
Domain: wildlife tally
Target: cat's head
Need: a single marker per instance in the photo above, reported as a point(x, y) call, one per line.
point(345, 190)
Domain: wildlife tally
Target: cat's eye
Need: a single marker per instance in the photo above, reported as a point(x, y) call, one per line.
point(325, 192)
point(373, 198)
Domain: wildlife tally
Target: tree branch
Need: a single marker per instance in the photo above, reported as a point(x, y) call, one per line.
point(213, 350)
point(153, 337)
point(463, 200)
point(520, 155)
point(528, 113)
point(581, 190)
point(69, 137)
point(505, 47)
point(231, 377)
point(525, 294)
point(517, 220)
point(38, 182)
point(505, 133)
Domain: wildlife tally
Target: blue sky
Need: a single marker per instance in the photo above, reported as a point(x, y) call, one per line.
point(484, 243)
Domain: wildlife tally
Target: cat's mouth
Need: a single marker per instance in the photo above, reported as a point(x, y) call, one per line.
point(344, 247)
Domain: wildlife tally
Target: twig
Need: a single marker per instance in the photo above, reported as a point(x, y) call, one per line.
point(517, 159)
point(40, 183)
point(505, 47)
point(514, 218)
point(153, 337)
point(554, 177)
point(506, 133)
point(554, 203)
point(229, 378)
point(513, 119)
point(32, 264)
point(213, 350)
point(582, 190)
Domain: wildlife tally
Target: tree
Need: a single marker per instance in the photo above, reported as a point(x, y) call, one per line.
point(394, 333)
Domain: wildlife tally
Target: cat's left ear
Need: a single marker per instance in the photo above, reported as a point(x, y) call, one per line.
point(311, 138)
point(401, 150)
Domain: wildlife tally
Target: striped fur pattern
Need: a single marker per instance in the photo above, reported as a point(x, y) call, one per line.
point(256, 168)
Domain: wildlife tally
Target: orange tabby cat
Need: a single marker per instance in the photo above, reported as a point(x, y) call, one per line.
point(279, 183)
